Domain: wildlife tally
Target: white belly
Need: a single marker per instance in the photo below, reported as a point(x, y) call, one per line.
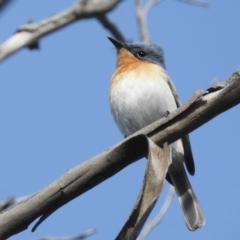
point(136, 103)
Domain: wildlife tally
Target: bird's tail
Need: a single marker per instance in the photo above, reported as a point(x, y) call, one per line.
point(192, 211)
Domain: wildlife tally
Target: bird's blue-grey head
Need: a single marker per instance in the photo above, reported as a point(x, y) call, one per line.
point(147, 52)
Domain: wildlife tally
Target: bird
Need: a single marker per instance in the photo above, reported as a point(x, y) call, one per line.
point(141, 92)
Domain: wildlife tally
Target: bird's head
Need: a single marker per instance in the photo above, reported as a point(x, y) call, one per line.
point(147, 52)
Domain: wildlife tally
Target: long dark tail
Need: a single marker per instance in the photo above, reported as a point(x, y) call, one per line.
point(192, 211)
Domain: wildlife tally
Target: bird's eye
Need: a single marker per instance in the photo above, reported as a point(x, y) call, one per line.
point(141, 54)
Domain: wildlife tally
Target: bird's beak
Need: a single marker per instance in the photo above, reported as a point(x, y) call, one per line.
point(116, 43)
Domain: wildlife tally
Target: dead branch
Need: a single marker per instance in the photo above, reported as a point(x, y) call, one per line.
point(30, 33)
point(199, 3)
point(82, 236)
point(4, 4)
point(201, 108)
point(159, 161)
point(141, 12)
point(108, 24)
point(149, 226)
point(7, 203)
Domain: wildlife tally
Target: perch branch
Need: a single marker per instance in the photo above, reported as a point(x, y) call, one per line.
point(201, 108)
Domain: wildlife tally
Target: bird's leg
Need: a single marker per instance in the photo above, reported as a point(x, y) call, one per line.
point(166, 114)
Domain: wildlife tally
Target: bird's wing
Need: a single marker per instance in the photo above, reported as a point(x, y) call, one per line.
point(185, 139)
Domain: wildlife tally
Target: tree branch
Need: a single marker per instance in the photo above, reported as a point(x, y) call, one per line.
point(152, 224)
point(108, 24)
point(141, 12)
point(158, 163)
point(7, 203)
point(4, 4)
point(201, 108)
point(196, 2)
point(30, 33)
point(82, 236)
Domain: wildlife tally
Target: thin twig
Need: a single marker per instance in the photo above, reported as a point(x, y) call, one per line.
point(152, 224)
point(196, 2)
point(7, 203)
point(150, 4)
point(108, 24)
point(141, 12)
point(82, 236)
point(4, 4)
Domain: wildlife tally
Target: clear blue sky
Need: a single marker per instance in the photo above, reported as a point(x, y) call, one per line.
point(54, 114)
